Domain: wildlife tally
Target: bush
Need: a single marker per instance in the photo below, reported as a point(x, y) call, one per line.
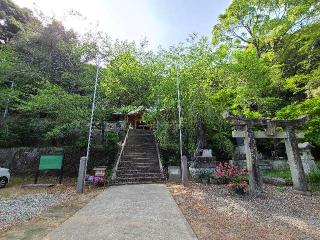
point(236, 180)
point(314, 179)
point(283, 173)
point(226, 172)
point(203, 175)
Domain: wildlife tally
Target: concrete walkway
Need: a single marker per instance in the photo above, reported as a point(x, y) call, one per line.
point(145, 211)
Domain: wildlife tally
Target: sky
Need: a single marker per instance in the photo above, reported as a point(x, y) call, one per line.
point(161, 22)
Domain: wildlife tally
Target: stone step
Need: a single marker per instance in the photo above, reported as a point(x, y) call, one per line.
point(135, 148)
point(134, 164)
point(139, 179)
point(142, 154)
point(132, 183)
point(134, 160)
point(144, 148)
point(139, 168)
point(137, 152)
point(138, 175)
point(141, 135)
point(137, 171)
point(139, 161)
point(139, 158)
point(152, 156)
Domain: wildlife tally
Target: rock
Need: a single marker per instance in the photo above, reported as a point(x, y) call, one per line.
point(304, 193)
point(275, 181)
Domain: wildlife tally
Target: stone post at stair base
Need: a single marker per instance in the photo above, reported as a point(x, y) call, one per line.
point(81, 174)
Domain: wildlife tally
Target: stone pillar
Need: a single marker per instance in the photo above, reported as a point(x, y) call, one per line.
point(294, 160)
point(82, 174)
point(184, 170)
point(255, 180)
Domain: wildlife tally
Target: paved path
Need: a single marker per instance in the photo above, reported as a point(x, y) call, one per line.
point(145, 211)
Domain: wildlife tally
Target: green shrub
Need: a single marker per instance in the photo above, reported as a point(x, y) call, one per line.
point(313, 177)
point(203, 175)
point(283, 173)
point(314, 180)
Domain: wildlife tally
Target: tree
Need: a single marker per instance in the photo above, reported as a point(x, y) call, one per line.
point(13, 19)
point(263, 23)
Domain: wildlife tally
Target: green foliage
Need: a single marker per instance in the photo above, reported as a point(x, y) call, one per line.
point(15, 19)
point(203, 175)
point(309, 107)
point(264, 62)
point(314, 179)
point(112, 140)
point(62, 114)
point(284, 173)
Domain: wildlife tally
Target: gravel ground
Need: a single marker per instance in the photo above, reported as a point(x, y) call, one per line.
point(25, 207)
point(280, 213)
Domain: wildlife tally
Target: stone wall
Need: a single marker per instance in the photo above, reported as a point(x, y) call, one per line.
point(24, 160)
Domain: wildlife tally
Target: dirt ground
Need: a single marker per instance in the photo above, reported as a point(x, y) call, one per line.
point(214, 213)
point(39, 226)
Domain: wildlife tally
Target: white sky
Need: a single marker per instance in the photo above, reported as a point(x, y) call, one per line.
point(164, 22)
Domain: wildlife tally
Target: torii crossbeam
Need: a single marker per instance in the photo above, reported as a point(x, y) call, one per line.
point(270, 125)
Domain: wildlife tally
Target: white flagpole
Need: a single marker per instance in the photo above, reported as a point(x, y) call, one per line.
point(179, 113)
point(84, 160)
point(93, 107)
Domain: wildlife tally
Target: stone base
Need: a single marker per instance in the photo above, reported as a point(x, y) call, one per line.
point(174, 173)
point(279, 164)
point(194, 172)
point(275, 181)
point(202, 165)
point(304, 193)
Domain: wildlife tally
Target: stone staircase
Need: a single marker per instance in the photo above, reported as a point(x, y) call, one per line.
point(139, 161)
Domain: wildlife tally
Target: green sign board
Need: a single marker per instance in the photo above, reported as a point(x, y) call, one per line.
point(48, 162)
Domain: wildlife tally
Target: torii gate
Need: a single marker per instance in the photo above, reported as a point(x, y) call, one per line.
point(290, 137)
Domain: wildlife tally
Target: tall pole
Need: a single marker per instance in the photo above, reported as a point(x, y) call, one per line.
point(179, 114)
point(93, 106)
point(84, 160)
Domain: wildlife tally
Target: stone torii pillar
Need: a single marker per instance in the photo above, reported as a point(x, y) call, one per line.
point(290, 137)
point(255, 181)
point(294, 159)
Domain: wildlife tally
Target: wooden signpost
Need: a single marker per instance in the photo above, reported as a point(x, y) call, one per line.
point(270, 125)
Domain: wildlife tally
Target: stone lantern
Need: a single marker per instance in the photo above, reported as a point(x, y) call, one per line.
point(306, 157)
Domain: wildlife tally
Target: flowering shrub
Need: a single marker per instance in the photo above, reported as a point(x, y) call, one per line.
point(229, 174)
point(240, 188)
point(226, 171)
point(95, 181)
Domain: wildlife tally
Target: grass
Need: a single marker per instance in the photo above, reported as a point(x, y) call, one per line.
point(313, 177)
point(284, 173)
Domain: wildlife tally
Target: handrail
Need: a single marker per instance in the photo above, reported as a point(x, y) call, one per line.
point(114, 171)
point(158, 154)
